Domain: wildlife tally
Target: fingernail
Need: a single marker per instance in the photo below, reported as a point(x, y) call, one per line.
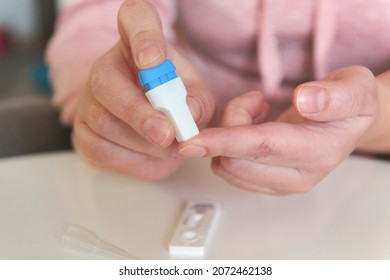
point(148, 53)
point(192, 151)
point(311, 99)
point(158, 130)
point(196, 107)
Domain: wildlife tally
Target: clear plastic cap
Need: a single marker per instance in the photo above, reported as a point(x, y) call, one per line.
point(82, 240)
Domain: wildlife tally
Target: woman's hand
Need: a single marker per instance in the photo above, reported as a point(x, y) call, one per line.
point(115, 126)
point(294, 153)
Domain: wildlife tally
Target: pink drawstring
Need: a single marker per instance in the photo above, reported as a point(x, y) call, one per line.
point(269, 57)
point(324, 30)
point(269, 60)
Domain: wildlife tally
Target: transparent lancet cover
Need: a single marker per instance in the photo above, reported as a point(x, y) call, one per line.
point(83, 240)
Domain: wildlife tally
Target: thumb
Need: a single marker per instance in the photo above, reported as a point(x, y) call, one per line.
point(140, 29)
point(344, 93)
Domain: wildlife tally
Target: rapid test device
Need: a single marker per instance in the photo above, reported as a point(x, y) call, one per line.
point(194, 229)
point(167, 94)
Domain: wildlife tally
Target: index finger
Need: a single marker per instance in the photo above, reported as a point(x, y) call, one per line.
point(279, 144)
point(140, 29)
point(112, 85)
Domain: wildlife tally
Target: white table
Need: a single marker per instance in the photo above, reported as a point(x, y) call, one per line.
point(347, 216)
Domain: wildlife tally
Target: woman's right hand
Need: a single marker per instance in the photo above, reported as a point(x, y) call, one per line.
point(115, 126)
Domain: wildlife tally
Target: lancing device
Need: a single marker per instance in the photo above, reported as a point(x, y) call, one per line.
point(167, 94)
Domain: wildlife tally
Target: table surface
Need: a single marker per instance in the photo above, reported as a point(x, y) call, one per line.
point(347, 216)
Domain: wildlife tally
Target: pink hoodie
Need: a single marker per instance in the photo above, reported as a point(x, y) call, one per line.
point(270, 45)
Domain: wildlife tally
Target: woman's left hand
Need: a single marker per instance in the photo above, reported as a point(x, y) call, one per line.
point(294, 153)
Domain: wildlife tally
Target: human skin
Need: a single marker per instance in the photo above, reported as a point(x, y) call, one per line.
point(116, 128)
point(293, 153)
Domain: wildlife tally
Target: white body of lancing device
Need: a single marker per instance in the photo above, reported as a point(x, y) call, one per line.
point(167, 94)
point(170, 99)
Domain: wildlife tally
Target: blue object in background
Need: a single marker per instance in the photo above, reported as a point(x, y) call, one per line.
point(40, 75)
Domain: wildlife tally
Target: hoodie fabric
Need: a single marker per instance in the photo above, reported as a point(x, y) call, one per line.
point(267, 45)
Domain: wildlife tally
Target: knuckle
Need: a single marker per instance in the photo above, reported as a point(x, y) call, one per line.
point(233, 165)
point(232, 110)
point(133, 113)
point(231, 106)
point(97, 152)
point(370, 90)
point(363, 88)
point(264, 149)
point(104, 124)
point(100, 77)
point(364, 71)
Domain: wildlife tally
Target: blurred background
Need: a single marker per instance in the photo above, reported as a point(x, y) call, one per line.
point(28, 122)
point(25, 26)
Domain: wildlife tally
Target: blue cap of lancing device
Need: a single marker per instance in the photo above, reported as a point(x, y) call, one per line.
point(166, 93)
point(158, 75)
